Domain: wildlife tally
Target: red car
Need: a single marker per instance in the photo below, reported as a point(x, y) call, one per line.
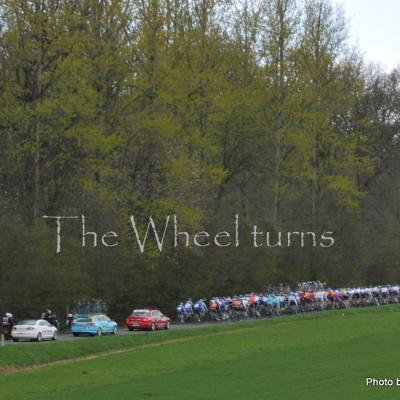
point(147, 319)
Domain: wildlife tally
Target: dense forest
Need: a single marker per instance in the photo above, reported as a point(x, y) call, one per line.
point(202, 109)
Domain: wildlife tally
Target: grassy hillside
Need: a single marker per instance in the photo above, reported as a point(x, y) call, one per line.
point(30, 354)
point(326, 355)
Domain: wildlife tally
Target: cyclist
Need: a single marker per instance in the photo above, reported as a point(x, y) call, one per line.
point(189, 309)
point(277, 304)
point(293, 302)
point(200, 309)
point(215, 310)
point(270, 303)
point(180, 310)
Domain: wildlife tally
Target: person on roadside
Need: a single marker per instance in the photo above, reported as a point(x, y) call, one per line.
point(7, 324)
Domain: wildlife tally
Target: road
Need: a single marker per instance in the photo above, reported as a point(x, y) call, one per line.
point(121, 332)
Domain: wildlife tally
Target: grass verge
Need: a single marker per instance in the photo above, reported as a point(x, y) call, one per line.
point(314, 356)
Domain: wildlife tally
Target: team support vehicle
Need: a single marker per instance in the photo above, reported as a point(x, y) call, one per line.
point(93, 324)
point(147, 319)
point(34, 329)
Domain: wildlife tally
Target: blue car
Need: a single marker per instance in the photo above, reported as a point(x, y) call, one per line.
point(93, 324)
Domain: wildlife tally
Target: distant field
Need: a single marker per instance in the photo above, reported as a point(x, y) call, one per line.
point(315, 356)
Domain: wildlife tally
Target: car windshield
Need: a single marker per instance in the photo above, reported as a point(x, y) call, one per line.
point(79, 316)
point(28, 322)
point(83, 320)
point(140, 313)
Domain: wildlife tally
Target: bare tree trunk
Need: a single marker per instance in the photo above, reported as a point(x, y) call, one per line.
point(37, 187)
point(277, 180)
point(315, 161)
point(281, 10)
point(314, 187)
point(36, 199)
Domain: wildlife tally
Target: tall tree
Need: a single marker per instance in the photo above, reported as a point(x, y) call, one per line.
point(281, 18)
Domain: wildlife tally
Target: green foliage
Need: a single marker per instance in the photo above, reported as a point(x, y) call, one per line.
point(200, 109)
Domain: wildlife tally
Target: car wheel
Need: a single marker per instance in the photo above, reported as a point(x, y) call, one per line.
point(39, 337)
point(76, 334)
point(131, 329)
point(114, 332)
point(15, 340)
point(153, 326)
point(167, 325)
point(54, 336)
point(99, 332)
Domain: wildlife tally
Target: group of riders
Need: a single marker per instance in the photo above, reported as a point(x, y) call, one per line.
point(309, 296)
point(8, 321)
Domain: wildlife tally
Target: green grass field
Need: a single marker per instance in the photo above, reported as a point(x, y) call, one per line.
point(315, 356)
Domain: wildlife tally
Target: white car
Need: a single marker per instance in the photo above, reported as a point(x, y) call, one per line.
point(34, 329)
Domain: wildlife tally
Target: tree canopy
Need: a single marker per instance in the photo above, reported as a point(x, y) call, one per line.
point(200, 108)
